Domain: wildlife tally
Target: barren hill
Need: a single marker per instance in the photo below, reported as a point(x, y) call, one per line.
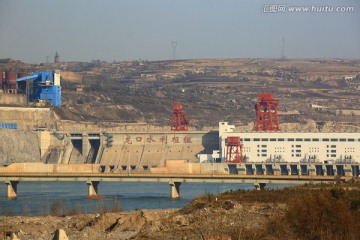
point(325, 91)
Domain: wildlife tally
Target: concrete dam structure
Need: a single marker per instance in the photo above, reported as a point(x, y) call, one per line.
point(125, 150)
point(18, 146)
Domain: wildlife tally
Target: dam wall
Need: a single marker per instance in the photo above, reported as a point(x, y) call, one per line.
point(125, 150)
point(140, 151)
point(18, 146)
point(115, 150)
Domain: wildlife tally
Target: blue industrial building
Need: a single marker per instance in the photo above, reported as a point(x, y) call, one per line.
point(45, 87)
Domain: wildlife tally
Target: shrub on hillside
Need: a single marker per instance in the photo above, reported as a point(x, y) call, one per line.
point(319, 214)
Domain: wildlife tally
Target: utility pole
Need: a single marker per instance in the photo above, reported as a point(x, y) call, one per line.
point(47, 60)
point(174, 44)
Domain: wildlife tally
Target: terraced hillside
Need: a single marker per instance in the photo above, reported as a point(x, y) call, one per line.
point(312, 92)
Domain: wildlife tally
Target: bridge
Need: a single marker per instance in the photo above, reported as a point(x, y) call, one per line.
point(92, 180)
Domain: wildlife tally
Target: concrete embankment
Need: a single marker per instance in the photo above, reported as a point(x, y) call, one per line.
point(18, 146)
point(12, 99)
point(28, 118)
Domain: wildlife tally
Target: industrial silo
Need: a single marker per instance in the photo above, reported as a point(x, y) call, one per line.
point(11, 81)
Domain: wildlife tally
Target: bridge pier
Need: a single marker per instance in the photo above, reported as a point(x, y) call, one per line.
point(11, 188)
point(259, 186)
point(92, 188)
point(175, 189)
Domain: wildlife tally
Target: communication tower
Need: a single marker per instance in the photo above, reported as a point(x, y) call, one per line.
point(56, 58)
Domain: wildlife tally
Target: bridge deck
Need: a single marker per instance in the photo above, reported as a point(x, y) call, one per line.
point(11, 179)
point(148, 177)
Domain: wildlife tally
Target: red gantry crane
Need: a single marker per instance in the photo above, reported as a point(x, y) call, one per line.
point(267, 113)
point(178, 120)
point(234, 150)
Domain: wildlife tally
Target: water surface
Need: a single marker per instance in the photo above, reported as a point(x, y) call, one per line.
point(39, 198)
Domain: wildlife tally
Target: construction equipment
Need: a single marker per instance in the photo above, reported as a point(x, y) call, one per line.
point(41, 103)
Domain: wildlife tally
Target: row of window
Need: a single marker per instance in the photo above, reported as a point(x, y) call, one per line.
point(351, 150)
point(297, 155)
point(263, 155)
point(299, 151)
point(333, 151)
point(263, 150)
point(300, 139)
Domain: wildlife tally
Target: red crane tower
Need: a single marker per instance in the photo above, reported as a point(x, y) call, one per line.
point(266, 113)
point(178, 120)
point(234, 150)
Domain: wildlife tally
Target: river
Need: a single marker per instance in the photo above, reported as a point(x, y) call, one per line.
point(39, 198)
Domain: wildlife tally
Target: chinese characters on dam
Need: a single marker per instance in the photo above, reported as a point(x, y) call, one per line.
point(163, 139)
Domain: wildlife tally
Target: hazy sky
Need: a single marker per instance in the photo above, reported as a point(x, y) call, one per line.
point(83, 30)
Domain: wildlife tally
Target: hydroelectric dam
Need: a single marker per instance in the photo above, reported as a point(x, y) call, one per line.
point(187, 156)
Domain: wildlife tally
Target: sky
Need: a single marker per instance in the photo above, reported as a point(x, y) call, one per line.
point(108, 30)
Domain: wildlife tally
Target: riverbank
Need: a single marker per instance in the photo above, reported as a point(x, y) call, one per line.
point(306, 212)
point(203, 222)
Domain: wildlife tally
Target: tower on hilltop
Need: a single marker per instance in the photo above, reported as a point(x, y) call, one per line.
point(56, 58)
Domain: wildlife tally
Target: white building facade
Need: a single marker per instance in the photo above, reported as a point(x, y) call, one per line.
point(325, 147)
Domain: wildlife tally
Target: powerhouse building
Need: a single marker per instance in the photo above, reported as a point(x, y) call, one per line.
point(277, 146)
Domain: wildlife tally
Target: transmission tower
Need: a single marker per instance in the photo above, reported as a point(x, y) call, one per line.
point(174, 44)
point(283, 48)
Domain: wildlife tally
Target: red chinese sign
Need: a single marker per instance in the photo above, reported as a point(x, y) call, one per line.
point(128, 139)
point(150, 139)
point(162, 139)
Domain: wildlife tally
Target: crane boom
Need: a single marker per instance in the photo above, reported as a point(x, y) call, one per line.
point(35, 75)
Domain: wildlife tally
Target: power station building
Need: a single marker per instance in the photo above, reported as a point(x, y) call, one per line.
point(278, 146)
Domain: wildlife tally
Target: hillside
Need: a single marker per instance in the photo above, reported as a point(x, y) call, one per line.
point(322, 91)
